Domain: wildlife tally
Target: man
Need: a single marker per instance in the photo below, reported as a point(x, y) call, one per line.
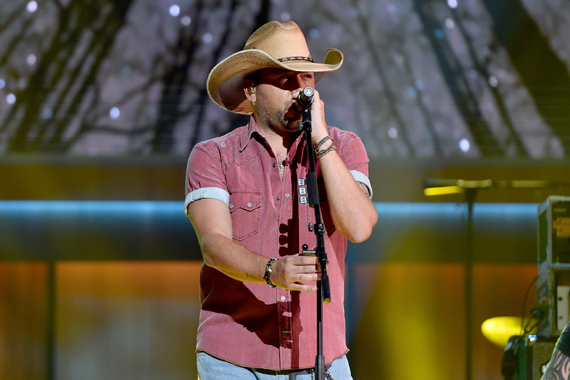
point(246, 197)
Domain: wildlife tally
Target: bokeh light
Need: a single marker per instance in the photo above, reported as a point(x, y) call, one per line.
point(174, 10)
point(115, 112)
point(10, 98)
point(464, 145)
point(32, 6)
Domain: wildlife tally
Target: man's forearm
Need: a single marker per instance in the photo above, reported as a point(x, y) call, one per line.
point(232, 259)
point(352, 211)
point(558, 368)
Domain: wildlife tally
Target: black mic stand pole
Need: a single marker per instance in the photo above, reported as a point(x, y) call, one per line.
point(323, 286)
point(470, 194)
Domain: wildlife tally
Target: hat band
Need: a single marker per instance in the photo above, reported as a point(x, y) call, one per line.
point(287, 59)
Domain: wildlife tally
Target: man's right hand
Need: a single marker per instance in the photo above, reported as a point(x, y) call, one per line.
point(296, 272)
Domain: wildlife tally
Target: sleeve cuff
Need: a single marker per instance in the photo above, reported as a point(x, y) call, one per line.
point(206, 193)
point(362, 178)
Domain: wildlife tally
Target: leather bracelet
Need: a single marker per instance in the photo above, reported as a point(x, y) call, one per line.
point(268, 272)
point(325, 151)
point(320, 143)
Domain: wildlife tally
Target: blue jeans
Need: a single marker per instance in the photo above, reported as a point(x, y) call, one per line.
point(211, 368)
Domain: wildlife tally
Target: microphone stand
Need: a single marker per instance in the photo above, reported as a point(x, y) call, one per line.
point(323, 286)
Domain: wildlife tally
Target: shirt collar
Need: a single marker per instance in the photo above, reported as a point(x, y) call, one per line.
point(247, 133)
point(252, 128)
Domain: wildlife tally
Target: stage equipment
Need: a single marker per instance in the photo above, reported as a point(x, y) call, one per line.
point(499, 330)
point(470, 188)
point(554, 231)
point(553, 283)
point(527, 356)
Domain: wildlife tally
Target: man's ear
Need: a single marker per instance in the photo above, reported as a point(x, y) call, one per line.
point(249, 90)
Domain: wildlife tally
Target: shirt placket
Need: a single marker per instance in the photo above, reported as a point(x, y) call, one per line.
point(284, 296)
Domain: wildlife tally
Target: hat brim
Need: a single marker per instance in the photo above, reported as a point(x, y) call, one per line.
point(225, 81)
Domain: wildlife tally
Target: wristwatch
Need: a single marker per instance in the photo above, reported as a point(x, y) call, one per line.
point(268, 272)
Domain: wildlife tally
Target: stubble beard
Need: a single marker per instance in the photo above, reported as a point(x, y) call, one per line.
point(281, 121)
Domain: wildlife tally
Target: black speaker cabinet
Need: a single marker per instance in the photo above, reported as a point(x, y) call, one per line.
point(533, 354)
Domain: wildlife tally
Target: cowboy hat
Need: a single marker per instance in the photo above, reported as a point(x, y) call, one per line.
point(273, 45)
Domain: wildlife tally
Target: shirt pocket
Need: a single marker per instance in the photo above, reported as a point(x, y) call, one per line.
point(245, 209)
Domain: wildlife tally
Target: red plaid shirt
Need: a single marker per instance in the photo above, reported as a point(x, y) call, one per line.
point(250, 324)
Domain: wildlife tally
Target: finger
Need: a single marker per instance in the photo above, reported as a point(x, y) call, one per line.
point(303, 288)
point(311, 277)
point(301, 278)
point(312, 268)
point(300, 259)
point(302, 273)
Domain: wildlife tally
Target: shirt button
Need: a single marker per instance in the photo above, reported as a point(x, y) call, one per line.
point(249, 205)
point(287, 195)
point(277, 198)
point(231, 206)
point(283, 298)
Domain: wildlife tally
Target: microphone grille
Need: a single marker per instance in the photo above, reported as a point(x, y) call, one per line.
point(308, 92)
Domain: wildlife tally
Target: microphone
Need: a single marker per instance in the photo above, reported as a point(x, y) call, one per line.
point(305, 98)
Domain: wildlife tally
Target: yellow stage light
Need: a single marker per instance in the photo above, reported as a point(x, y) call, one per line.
point(498, 330)
point(431, 191)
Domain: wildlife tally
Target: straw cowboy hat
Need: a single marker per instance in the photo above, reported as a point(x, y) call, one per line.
point(274, 45)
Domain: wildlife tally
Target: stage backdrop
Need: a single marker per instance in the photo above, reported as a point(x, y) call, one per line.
point(99, 289)
point(439, 78)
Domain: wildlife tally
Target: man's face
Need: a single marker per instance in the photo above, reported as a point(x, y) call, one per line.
point(276, 91)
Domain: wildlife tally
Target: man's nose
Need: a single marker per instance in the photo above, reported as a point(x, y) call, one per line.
point(301, 81)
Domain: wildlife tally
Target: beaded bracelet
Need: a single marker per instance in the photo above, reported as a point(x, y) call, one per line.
point(325, 151)
point(320, 143)
point(268, 272)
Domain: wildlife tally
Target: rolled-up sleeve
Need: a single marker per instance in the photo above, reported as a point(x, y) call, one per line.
point(204, 176)
point(360, 177)
point(353, 153)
